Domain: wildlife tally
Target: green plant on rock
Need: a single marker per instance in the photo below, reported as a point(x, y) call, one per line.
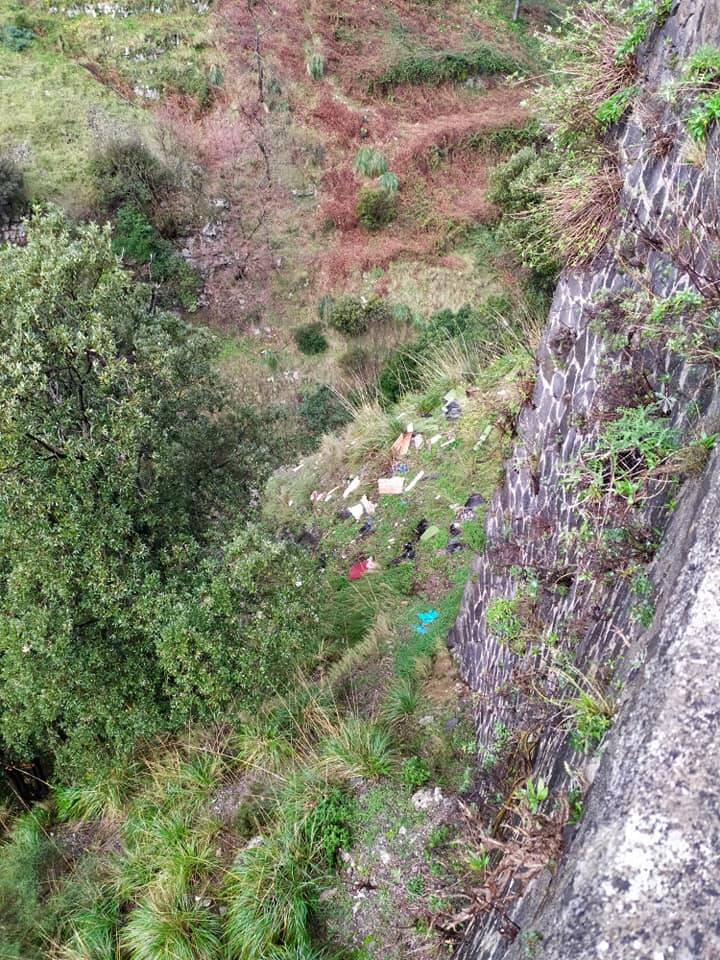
point(703, 116)
point(628, 450)
point(533, 794)
point(503, 621)
point(612, 110)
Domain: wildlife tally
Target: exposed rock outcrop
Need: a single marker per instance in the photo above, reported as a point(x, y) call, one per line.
point(637, 880)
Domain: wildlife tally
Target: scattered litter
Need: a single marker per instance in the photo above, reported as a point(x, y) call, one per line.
point(465, 515)
point(399, 467)
point(414, 481)
point(430, 534)
point(426, 618)
point(351, 487)
point(453, 546)
point(447, 442)
point(298, 467)
point(483, 436)
point(433, 440)
point(357, 510)
point(452, 411)
point(455, 529)
point(391, 540)
point(474, 500)
point(366, 528)
point(418, 441)
point(359, 569)
point(402, 444)
point(316, 497)
point(368, 505)
point(343, 514)
point(421, 528)
point(408, 553)
point(390, 485)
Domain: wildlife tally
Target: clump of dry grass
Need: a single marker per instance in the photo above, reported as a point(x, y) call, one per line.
point(583, 209)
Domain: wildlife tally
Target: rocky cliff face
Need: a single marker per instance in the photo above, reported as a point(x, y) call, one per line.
point(581, 574)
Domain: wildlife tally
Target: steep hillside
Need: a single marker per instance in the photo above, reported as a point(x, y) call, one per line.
point(381, 626)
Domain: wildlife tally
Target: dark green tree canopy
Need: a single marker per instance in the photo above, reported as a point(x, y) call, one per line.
point(119, 470)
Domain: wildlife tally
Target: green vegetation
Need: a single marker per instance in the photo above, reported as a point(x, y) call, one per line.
point(629, 448)
point(448, 67)
point(351, 316)
point(534, 794)
point(369, 162)
point(315, 66)
point(375, 208)
point(111, 438)
point(310, 339)
point(12, 191)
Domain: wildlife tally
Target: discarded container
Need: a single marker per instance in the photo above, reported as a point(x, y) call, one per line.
point(426, 618)
point(414, 481)
point(351, 487)
point(430, 534)
point(357, 510)
point(402, 444)
point(390, 486)
point(418, 441)
point(369, 506)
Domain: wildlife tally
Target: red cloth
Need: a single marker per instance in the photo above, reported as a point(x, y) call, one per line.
point(359, 569)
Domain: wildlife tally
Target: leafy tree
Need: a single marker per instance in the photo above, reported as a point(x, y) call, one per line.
point(117, 466)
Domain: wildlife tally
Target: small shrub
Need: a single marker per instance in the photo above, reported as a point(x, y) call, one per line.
point(369, 162)
point(375, 208)
point(136, 239)
point(323, 411)
point(351, 316)
point(12, 191)
point(703, 66)
point(309, 339)
point(502, 620)
point(415, 773)
point(331, 823)
point(126, 172)
point(16, 38)
point(315, 66)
